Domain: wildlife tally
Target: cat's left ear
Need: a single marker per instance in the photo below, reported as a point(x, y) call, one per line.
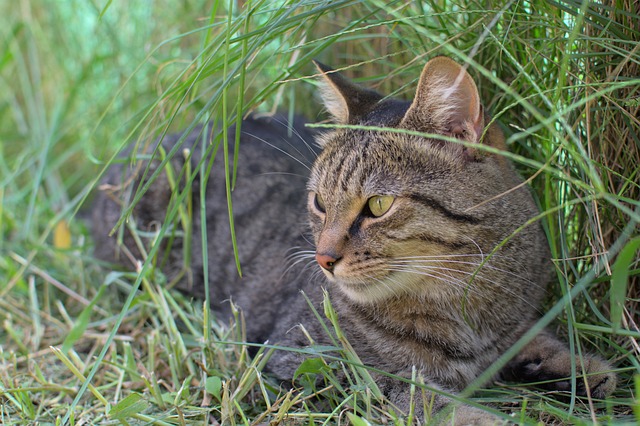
point(345, 100)
point(446, 102)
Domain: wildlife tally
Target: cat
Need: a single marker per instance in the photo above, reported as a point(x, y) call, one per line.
point(419, 237)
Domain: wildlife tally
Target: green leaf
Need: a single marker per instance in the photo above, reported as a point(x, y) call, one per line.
point(357, 421)
point(213, 386)
point(82, 322)
point(636, 404)
point(7, 55)
point(321, 349)
point(620, 279)
point(129, 406)
point(114, 276)
point(130, 362)
point(311, 366)
point(26, 404)
point(104, 9)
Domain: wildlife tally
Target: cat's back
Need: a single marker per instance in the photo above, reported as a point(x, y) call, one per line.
point(269, 213)
point(265, 173)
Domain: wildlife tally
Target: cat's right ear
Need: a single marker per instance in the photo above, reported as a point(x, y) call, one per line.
point(346, 101)
point(446, 102)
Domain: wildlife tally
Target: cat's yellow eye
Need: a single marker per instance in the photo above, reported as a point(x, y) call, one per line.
point(380, 204)
point(319, 203)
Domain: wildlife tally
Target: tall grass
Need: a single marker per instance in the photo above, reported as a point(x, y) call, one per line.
point(82, 80)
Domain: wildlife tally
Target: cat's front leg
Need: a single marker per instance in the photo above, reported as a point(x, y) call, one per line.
point(431, 407)
point(548, 360)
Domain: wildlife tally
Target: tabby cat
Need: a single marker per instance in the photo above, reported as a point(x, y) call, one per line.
point(419, 235)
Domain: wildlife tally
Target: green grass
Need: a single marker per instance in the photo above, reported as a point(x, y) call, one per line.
point(80, 80)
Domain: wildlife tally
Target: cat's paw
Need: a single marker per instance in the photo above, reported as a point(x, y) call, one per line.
point(547, 362)
point(554, 371)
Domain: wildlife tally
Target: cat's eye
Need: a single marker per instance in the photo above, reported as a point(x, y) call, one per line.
point(319, 203)
point(380, 204)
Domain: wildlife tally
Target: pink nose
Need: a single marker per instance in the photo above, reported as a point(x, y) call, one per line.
point(327, 261)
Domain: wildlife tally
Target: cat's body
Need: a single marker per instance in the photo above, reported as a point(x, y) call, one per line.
point(269, 203)
point(424, 244)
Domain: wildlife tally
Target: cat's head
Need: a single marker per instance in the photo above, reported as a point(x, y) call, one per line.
point(396, 213)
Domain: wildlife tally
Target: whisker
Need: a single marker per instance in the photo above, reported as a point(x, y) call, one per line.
point(296, 251)
point(477, 265)
point(456, 283)
point(384, 282)
point(467, 286)
point(293, 260)
point(435, 256)
point(306, 166)
point(450, 279)
point(306, 266)
point(283, 174)
point(295, 131)
point(308, 240)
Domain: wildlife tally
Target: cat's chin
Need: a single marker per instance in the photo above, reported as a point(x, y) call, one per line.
point(375, 290)
point(363, 294)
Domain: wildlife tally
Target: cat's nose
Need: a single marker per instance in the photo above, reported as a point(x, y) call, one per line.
point(327, 261)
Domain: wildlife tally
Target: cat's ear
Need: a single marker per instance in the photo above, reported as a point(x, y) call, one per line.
point(345, 100)
point(446, 102)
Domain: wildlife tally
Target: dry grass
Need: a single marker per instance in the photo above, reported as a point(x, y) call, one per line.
point(79, 81)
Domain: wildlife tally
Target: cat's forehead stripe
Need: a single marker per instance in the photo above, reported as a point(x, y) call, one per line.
point(355, 165)
point(341, 165)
